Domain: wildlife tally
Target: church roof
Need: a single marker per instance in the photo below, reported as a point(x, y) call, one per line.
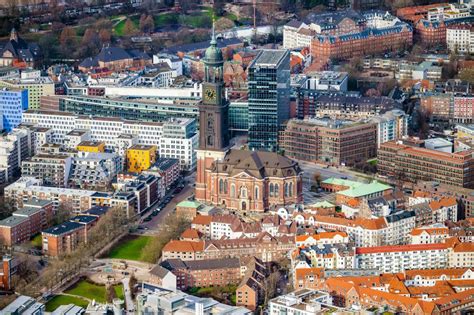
point(20, 49)
point(259, 164)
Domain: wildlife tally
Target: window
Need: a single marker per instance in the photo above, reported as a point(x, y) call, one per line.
point(256, 192)
point(271, 190)
point(277, 190)
point(243, 192)
point(232, 191)
point(221, 186)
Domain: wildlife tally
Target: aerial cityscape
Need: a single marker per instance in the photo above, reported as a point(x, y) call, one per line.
point(234, 157)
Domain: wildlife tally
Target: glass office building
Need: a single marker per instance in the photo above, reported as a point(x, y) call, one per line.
point(269, 98)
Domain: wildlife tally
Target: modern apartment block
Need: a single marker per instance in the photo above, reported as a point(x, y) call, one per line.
point(269, 98)
point(449, 108)
point(331, 142)
point(52, 169)
point(36, 85)
point(460, 38)
point(417, 163)
point(123, 107)
point(403, 257)
point(14, 148)
point(173, 138)
point(12, 104)
point(392, 125)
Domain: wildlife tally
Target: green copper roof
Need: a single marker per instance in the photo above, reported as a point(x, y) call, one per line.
point(213, 53)
point(365, 189)
point(189, 204)
point(341, 182)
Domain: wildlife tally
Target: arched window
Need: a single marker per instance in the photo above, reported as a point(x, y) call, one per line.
point(243, 192)
point(271, 190)
point(286, 188)
point(232, 190)
point(221, 186)
point(291, 190)
point(210, 140)
point(277, 190)
point(225, 186)
point(256, 192)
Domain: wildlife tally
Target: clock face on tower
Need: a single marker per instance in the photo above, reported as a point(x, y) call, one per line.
point(210, 95)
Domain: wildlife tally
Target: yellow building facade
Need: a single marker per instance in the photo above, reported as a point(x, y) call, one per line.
point(91, 146)
point(140, 158)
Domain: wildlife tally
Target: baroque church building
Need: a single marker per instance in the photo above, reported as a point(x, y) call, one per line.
point(237, 179)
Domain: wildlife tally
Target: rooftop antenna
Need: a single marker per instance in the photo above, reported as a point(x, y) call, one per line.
point(255, 18)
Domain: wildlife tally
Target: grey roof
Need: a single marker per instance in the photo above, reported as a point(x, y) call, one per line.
point(97, 210)
point(159, 271)
point(110, 54)
point(26, 211)
point(13, 221)
point(164, 163)
point(259, 164)
point(221, 263)
point(41, 203)
point(400, 216)
point(269, 57)
point(328, 20)
point(294, 23)
point(69, 309)
point(83, 218)
point(65, 227)
point(24, 305)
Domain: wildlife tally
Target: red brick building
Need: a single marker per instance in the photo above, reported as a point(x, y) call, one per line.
point(430, 33)
point(204, 273)
point(367, 42)
point(26, 222)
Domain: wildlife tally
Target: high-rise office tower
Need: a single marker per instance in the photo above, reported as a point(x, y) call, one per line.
point(269, 97)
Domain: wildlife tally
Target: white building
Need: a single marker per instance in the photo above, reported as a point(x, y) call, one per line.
point(15, 147)
point(302, 302)
point(448, 11)
point(436, 233)
point(403, 257)
point(173, 62)
point(392, 125)
point(327, 81)
point(176, 138)
point(297, 35)
point(460, 38)
point(322, 238)
point(461, 256)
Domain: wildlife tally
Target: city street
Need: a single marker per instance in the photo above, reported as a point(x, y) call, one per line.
point(153, 226)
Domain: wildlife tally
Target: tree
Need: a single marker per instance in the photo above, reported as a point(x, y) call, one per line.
point(90, 43)
point(467, 75)
point(317, 179)
point(129, 27)
point(110, 293)
point(147, 25)
point(132, 283)
point(67, 41)
point(271, 284)
point(218, 7)
point(62, 214)
point(105, 36)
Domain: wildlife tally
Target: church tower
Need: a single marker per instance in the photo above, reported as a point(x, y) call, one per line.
point(213, 117)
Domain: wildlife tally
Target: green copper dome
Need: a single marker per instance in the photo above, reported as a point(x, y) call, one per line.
point(213, 53)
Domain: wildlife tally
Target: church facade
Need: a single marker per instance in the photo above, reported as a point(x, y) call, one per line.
point(237, 179)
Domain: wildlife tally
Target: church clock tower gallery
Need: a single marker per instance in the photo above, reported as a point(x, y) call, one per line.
point(213, 117)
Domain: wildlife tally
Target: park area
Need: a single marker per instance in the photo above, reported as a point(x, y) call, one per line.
point(225, 294)
point(82, 293)
point(131, 247)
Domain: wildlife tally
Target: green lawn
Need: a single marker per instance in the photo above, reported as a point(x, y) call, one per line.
point(36, 241)
point(88, 290)
point(166, 19)
point(130, 248)
point(225, 294)
point(119, 28)
point(94, 291)
point(59, 300)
